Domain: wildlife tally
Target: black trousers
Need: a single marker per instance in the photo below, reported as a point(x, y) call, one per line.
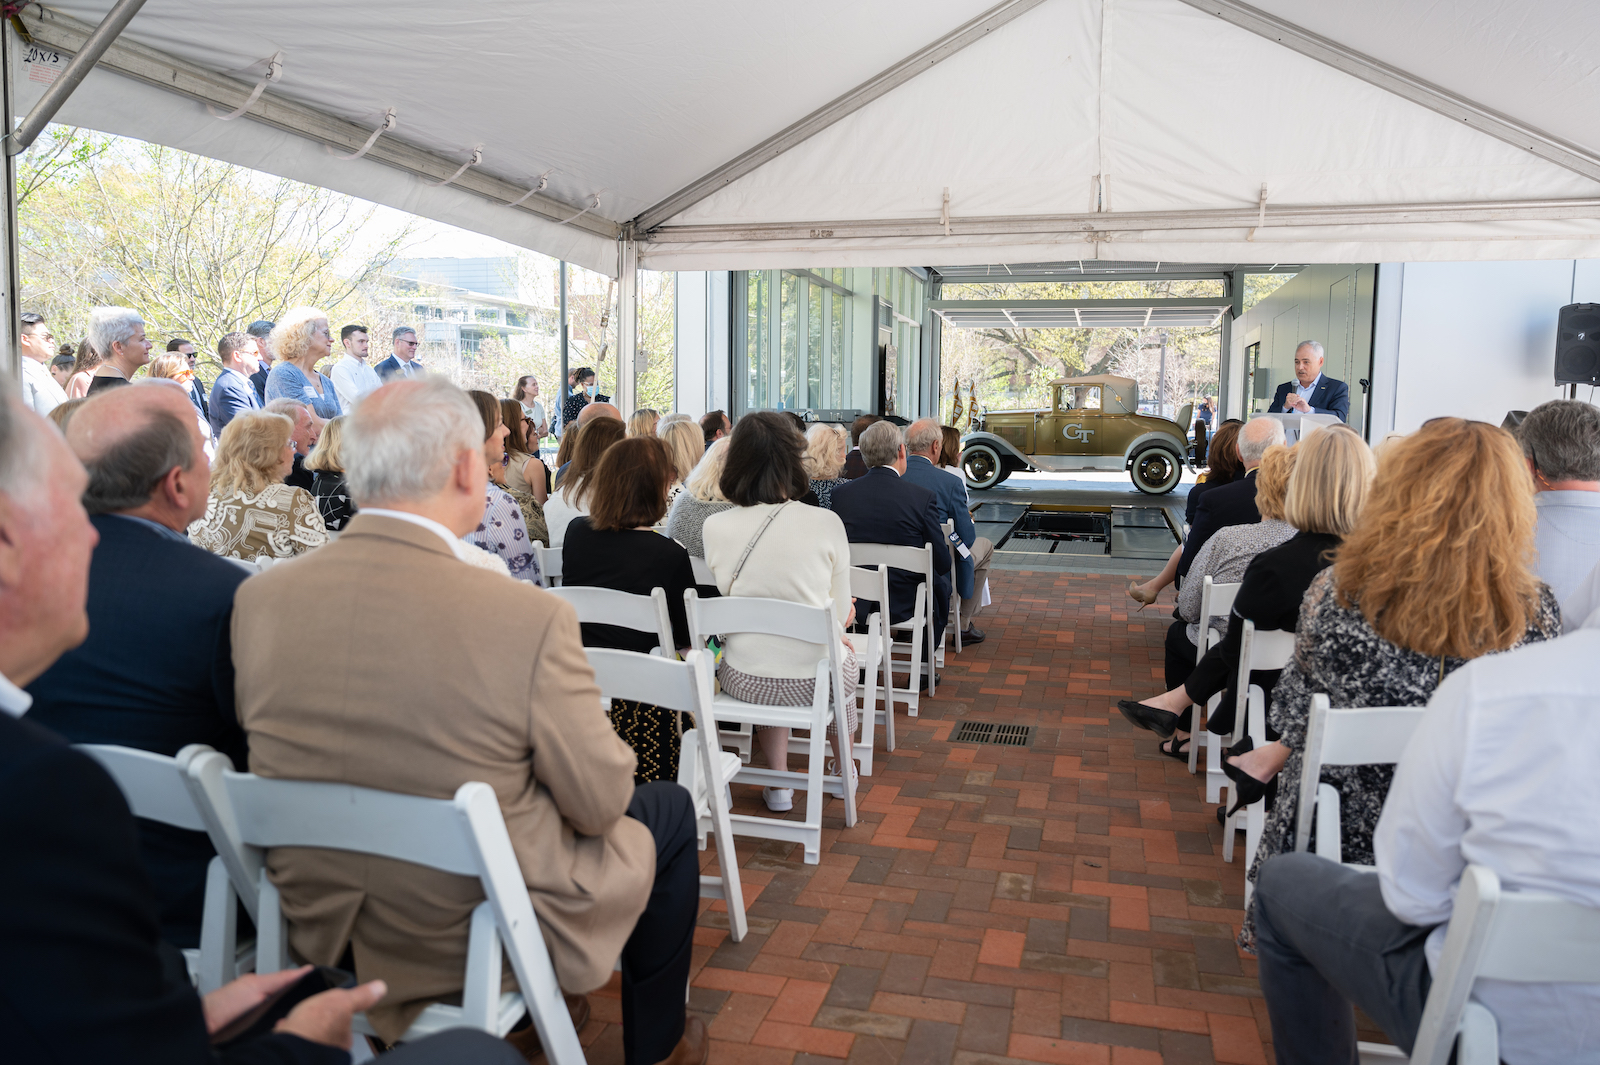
point(655, 960)
point(1180, 663)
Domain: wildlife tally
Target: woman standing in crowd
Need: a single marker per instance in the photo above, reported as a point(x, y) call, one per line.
point(1226, 467)
point(299, 341)
point(583, 391)
point(826, 446)
point(250, 511)
point(701, 497)
point(644, 422)
point(571, 497)
point(502, 530)
point(682, 438)
point(326, 462)
point(613, 546)
point(82, 370)
point(1435, 573)
point(771, 546)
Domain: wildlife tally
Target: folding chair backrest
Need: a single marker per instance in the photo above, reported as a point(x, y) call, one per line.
point(155, 785)
point(872, 584)
point(643, 678)
point(917, 560)
point(702, 571)
point(1259, 649)
point(769, 617)
point(607, 606)
point(1216, 601)
point(549, 559)
point(1368, 735)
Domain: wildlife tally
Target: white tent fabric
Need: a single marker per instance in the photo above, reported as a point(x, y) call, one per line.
point(1121, 109)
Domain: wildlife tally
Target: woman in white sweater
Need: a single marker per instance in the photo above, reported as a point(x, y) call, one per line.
point(772, 546)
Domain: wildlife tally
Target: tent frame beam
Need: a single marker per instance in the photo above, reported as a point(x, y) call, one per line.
point(130, 59)
point(1547, 146)
point(830, 113)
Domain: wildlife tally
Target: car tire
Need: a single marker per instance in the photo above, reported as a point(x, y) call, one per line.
point(1155, 470)
point(982, 466)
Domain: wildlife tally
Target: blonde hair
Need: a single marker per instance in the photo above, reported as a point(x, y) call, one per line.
point(168, 366)
point(1272, 480)
point(705, 483)
point(686, 445)
point(328, 455)
point(1440, 563)
point(643, 422)
point(249, 451)
point(823, 457)
point(1330, 480)
point(291, 337)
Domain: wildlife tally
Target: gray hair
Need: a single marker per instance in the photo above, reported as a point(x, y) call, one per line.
point(403, 440)
point(289, 408)
point(111, 325)
point(20, 460)
point(923, 434)
point(1257, 435)
point(1562, 437)
point(401, 331)
point(123, 474)
point(880, 444)
point(1316, 348)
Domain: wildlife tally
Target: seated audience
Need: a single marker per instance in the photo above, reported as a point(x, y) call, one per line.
point(1224, 559)
point(119, 333)
point(525, 471)
point(682, 439)
point(644, 422)
point(854, 465)
point(76, 910)
point(232, 393)
point(770, 546)
point(1492, 776)
point(501, 527)
point(83, 367)
point(1576, 610)
point(300, 341)
point(1561, 442)
point(924, 442)
point(250, 511)
point(611, 869)
point(1433, 575)
point(564, 447)
point(613, 546)
point(824, 458)
point(148, 479)
point(307, 430)
point(509, 475)
point(1225, 466)
point(714, 426)
point(701, 497)
point(950, 453)
point(592, 411)
point(326, 464)
point(571, 496)
point(884, 508)
point(1326, 492)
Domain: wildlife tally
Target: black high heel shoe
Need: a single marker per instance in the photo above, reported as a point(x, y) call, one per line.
point(1162, 722)
point(1247, 788)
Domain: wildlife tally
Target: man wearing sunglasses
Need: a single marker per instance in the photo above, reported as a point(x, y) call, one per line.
point(403, 363)
point(40, 390)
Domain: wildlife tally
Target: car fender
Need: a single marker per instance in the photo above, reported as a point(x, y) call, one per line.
point(1178, 447)
point(999, 445)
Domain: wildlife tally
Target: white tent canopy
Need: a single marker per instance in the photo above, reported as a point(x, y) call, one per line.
point(918, 133)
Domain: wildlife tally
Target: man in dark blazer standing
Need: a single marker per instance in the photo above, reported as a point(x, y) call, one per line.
point(881, 507)
point(233, 392)
point(1310, 392)
point(1235, 503)
point(258, 331)
point(402, 363)
point(156, 672)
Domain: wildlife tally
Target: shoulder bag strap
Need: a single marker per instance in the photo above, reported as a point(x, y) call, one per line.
point(739, 568)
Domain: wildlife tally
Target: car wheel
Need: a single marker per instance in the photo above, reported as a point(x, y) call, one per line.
point(982, 466)
point(1156, 471)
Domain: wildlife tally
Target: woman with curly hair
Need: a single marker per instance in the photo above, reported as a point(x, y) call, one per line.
point(299, 341)
point(251, 512)
point(826, 446)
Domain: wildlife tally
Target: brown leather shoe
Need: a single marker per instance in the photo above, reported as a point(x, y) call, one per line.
point(526, 1040)
point(694, 1048)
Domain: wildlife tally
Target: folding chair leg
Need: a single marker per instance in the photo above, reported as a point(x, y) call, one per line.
point(1255, 824)
point(219, 938)
point(814, 795)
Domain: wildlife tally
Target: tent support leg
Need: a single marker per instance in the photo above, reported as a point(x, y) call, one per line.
point(566, 336)
point(627, 327)
point(10, 326)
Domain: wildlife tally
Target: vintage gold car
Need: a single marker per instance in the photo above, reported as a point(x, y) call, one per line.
point(1093, 424)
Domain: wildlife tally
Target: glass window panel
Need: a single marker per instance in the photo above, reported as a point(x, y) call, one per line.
point(836, 350)
point(789, 343)
point(756, 347)
point(816, 327)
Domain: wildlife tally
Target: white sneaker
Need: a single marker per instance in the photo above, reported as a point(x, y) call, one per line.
point(779, 800)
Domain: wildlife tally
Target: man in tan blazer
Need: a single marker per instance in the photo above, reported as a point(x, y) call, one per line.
point(487, 680)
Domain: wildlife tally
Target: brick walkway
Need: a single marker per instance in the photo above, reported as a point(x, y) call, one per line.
point(1064, 903)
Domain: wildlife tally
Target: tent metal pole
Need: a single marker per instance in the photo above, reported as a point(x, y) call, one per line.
point(566, 337)
point(111, 26)
point(627, 327)
point(10, 343)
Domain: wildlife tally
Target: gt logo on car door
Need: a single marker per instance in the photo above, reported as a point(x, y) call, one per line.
point(1076, 433)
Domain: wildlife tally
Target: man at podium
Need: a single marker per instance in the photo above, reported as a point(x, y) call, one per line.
point(1310, 392)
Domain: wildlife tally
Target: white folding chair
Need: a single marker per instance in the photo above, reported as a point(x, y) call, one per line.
point(733, 615)
point(1265, 649)
point(948, 527)
point(1370, 735)
point(873, 585)
point(465, 835)
point(549, 559)
point(1495, 934)
point(702, 571)
point(915, 650)
point(1216, 601)
point(157, 789)
point(607, 606)
point(703, 769)
point(247, 566)
point(266, 562)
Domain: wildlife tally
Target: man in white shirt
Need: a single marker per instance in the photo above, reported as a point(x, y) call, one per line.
point(40, 391)
point(1561, 441)
point(1499, 773)
point(352, 377)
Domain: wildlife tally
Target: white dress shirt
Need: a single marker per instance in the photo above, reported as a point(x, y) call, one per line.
point(353, 379)
point(1567, 539)
point(40, 391)
point(1500, 772)
point(13, 700)
point(1304, 391)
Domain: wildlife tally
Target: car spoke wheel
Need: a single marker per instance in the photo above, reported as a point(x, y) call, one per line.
point(1156, 471)
point(982, 466)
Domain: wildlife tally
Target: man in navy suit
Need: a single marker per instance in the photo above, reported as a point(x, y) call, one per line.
point(258, 332)
point(1233, 503)
point(882, 507)
point(403, 362)
point(924, 439)
point(156, 672)
point(233, 393)
point(1310, 392)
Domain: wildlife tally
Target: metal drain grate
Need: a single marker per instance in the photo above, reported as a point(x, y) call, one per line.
point(988, 732)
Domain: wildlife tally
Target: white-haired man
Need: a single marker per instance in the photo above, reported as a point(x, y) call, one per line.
point(117, 333)
point(1310, 392)
point(307, 427)
point(1232, 504)
point(611, 869)
point(924, 440)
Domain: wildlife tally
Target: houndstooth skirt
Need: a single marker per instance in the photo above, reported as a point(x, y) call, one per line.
point(790, 691)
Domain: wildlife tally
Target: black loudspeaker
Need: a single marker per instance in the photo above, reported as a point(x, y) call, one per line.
point(1578, 345)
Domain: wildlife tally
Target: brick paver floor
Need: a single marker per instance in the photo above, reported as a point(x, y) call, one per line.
point(1064, 903)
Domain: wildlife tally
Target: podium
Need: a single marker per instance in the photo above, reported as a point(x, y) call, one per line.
point(1297, 426)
